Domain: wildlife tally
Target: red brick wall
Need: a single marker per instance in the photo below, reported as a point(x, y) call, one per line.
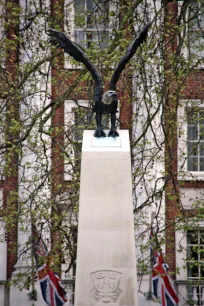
point(191, 184)
point(11, 180)
point(10, 186)
point(57, 12)
point(194, 86)
point(125, 98)
point(170, 110)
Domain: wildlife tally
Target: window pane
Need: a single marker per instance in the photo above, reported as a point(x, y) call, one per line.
point(201, 122)
point(202, 270)
point(192, 252)
point(201, 253)
point(196, 25)
point(192, 149)
point(192, 164)
point(90, 24)
point(101, 38)
point(201, 132)
point(97, 15)
point(192, 237)
point(79, 6)
point(104, 15)
point(79, 37)
point(201, 237)
point(194, 13)
point(202, 18)
point(91, 9)
point(193, 23)
point(192, 132)
point(201, 117)
point(201, 164)
point(192, 117)
point(196, 43)
point(201, 153)
point(192, 269)
point(89, 38)
point(90, 5)
point(92, 17)
point(195, 253)
point(79, 13)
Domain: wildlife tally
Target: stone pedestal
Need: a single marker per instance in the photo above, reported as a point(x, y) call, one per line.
point(106, 262)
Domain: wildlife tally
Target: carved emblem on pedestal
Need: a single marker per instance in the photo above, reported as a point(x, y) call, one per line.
point(106, 285)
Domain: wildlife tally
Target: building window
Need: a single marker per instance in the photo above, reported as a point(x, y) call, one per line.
point(196, 28)
point(195, 254)
point(195, 264)
point(91, 23)
point(195, 141)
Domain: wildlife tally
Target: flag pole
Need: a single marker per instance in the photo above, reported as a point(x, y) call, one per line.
point(149, 294)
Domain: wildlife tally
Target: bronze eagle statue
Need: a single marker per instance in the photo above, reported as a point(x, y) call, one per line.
point(106, 103)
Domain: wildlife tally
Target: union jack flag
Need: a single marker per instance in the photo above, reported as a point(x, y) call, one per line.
point(163, 288)
point(51, 288)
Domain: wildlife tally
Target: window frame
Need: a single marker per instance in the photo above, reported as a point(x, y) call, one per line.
point(90, 29)
point(191, 30)
point(183, 172)
point(198, 260)
point(186, 47)
point(196, 142)
point(181, 248)
point(69, 4)
point(185, 284)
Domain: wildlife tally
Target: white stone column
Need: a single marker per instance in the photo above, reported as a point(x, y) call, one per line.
point(106, 262)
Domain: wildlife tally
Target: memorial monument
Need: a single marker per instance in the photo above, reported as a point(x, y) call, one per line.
point(106, 261)
point(103, 103)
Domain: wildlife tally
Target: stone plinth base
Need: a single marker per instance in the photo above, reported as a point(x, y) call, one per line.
point(106, 264)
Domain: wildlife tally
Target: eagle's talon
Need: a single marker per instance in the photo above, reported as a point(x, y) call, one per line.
point(99, 133)
point(113, 133)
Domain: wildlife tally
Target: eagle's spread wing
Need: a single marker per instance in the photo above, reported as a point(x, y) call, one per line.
point(61, 40)
point(140, 38)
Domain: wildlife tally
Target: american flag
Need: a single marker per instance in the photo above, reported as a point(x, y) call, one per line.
point(52, 290)
point(163, 288)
